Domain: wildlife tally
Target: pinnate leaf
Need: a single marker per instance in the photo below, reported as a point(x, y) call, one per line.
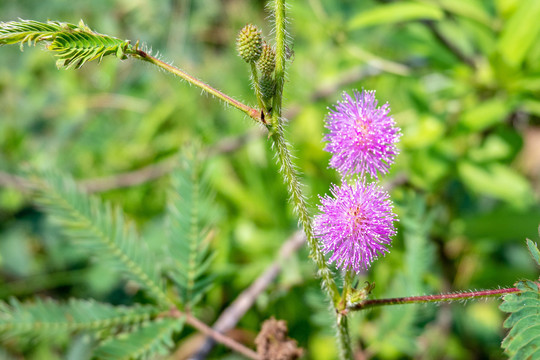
point(74, 45)
point(100, 229)
point(49, 318)
point(189, 212)
point(152, 338)
point(523, 339)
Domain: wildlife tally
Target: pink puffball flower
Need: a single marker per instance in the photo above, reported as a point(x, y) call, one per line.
point(362, 137)
point(355, 225)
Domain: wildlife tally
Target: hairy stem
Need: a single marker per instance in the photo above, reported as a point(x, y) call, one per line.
point(295, 189)
point(293, 184)
point(255, 80)
point(345, 349)
point(366, 304)
point(251, 112)
point(347, 283)
point(279, 72)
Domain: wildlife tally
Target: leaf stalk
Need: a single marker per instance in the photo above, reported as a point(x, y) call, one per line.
point(249, 111)
point(366, 304)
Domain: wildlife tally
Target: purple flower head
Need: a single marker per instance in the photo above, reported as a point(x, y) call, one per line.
point(356, 225)
point(362, 136)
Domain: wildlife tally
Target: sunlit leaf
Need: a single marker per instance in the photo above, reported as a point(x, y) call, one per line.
point(520, 32)
point(498, 181)
point(485, 114)
point(395, 12)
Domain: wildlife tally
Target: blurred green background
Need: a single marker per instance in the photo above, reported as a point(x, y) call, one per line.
point(462, 78)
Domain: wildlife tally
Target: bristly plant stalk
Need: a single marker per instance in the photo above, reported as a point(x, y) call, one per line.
point(255, 80)
point(279, 74)
point(251, 112)
point(294, 186)
point(366, 304)
point(345, 349)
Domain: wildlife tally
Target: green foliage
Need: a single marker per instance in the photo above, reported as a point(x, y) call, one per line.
point(521, 32)
point(469, 126)
point(398, 326)
point(128, 332)
point(47, 319)
point(74, 45)
point(523, 339)
point(189, 214)
point(533, 249)
point(151, 338)
point(100, 229)
point(396, 12)
point(28, 31)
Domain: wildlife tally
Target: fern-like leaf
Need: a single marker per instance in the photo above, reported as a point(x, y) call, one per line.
point(47, 318)
point(27, 32)
point(523, 340)
point(188, 213)
point(100, 229)
point(152, 338)
point(74, 45)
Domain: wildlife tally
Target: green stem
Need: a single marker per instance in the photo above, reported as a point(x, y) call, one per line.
point(366, 304)
point(279, 72)
point(255, 80)
point(251, 112)
point(344, 339)
point(345, 349)
point(294, 187)
point(347, 284)
point(293, 184)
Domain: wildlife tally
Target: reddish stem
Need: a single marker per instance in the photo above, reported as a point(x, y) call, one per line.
point(429, 298)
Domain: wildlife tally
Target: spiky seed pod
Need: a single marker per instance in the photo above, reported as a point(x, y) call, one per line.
point(267, 85)
point(267, 61)
point(249, 43)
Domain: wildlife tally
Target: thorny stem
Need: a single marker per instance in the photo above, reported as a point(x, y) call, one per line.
point(366, 304)
point(251, 112)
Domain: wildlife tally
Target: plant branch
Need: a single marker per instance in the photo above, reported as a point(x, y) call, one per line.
point(366, 304)
point(295, 190)
point(232, 314)
point(279, 72)
point(251, 112)
point(294, 186)
point(208, 331)
point(343, 337)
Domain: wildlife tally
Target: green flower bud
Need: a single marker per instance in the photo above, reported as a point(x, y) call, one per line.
point(267, 61)
point(267, 86)
point(249, 43)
